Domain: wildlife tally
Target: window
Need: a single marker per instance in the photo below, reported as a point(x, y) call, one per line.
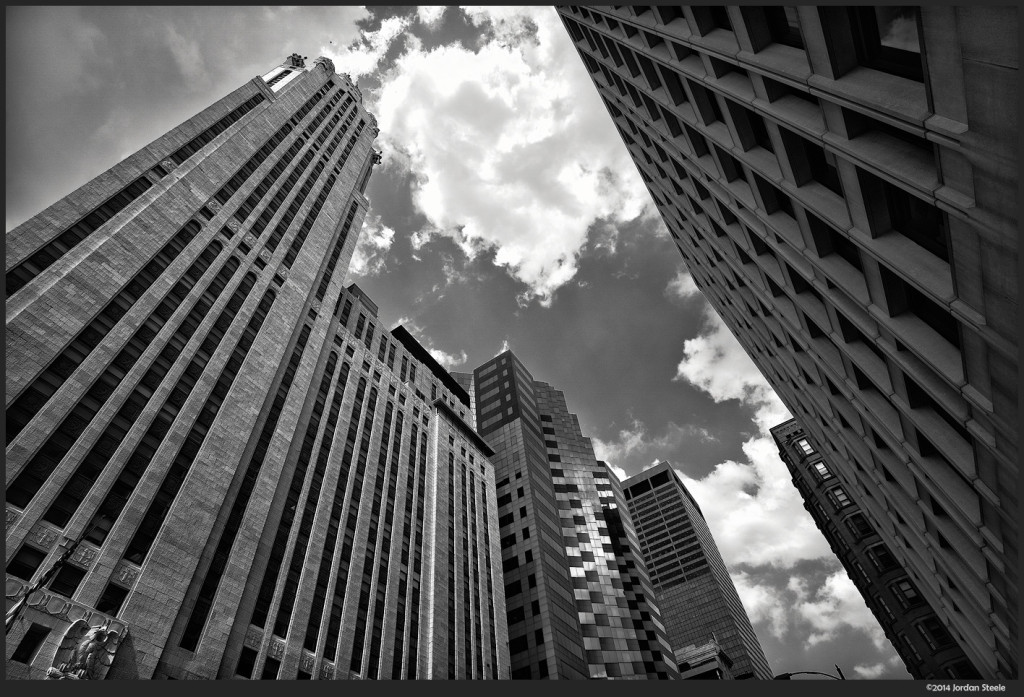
point(839, 498)
point(805, 447)
point(784, 26)
point(887, 39)
point(882, 558)
point(934, 634)
point(822, 471)
point(906, 593)
point(858, 525)
point(30, 643)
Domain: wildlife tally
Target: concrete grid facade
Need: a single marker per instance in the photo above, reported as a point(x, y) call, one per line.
point(910, 624)
point(579, 604)
point(846, 201)
point(698, 600)
point(181, 396)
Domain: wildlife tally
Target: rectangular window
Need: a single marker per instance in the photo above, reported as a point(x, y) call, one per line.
point(906, 593)
point(30, 643)
point(805, 447)
point(887, 39)
point(822, 471)
point(839, 498)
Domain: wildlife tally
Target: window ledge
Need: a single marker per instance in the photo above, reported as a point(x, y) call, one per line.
point(896, 97)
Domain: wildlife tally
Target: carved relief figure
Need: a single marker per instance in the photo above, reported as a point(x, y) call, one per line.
point(84, 652)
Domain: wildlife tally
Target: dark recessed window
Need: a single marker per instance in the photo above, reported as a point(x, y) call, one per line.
point(30, 643)
point(784, 26)
point(887, 39)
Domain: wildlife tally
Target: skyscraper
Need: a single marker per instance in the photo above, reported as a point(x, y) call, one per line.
point(215, 458)
point(840, 182)
point(921, 640)
point(698, 601)
point(578, 600)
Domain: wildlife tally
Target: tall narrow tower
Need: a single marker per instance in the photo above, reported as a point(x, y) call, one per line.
point(697, 598)
point(578, 601)
point(212, 458)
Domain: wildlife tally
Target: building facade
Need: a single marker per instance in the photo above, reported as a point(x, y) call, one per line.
point(216, 460)
point(697, 598)
point(913, 628)
point(578, 601)
point(841, 184)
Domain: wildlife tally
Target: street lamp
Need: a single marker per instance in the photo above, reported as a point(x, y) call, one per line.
point(787, 676)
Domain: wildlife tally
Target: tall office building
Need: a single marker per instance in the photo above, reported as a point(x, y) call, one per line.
point(841, 183)
point(216, 461)
point(577, 596)
point(917, 634)
point(698, 601)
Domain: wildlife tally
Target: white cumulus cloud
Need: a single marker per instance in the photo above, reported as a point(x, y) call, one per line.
point(371, 252)
point(430, 15)
point(363, 55)
point(763, 603)
point(835, 605)
point(509, 147)
point(636, 443)
point(447, 360)
point(682, 286)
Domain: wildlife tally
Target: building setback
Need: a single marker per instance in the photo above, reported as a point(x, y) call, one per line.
point(921, 640)
point(251, 463)
point(698, 601)
point(577, 596)
point(841, 183)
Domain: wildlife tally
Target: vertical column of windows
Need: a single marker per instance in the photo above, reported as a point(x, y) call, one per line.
point(32, 399)
point(490, 590)
point(388, 508)
point(308, 510)
point(24, 272)
point(477, 642)
point(324, 574)
point(400, 609)
point(343, 472)
point(201, 608)
point(32, 476)
point(414, 612)
point(350, 527)
point(193, 146)
point(467, 610)
point(451, 567)
point(359, 640)
point(328, 273)
point(140, 545)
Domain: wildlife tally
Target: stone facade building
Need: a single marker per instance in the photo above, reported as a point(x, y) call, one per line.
point(841, 183)
point(913, 628)
point(697, 598)
point(236, 471)
point(578, 600)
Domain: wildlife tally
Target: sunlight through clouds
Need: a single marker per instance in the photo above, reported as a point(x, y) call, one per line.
point(508, 146)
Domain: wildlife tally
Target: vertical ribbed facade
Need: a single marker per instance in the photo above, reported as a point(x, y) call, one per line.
point(575, 601)
point(247, 458)
point(841, 185)
point(921, 640)
point(698, 600)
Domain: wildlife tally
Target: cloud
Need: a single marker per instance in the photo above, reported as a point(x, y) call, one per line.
point(430, 15)
point(635, 443)
point(752, 507)
point(682, 286)
point(509, 148)
point(188, 58)
point(617, 471)
point(363, 55)
point(370, 256)
point(763, 603)
point(447, 360)
point(836, 605)
point(504, 347)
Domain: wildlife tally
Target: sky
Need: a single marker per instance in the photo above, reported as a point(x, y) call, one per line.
point(507, 213)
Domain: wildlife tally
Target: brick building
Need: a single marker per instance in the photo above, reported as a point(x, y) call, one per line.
point(247, 459)
point(913, 628)
point(841, 184)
